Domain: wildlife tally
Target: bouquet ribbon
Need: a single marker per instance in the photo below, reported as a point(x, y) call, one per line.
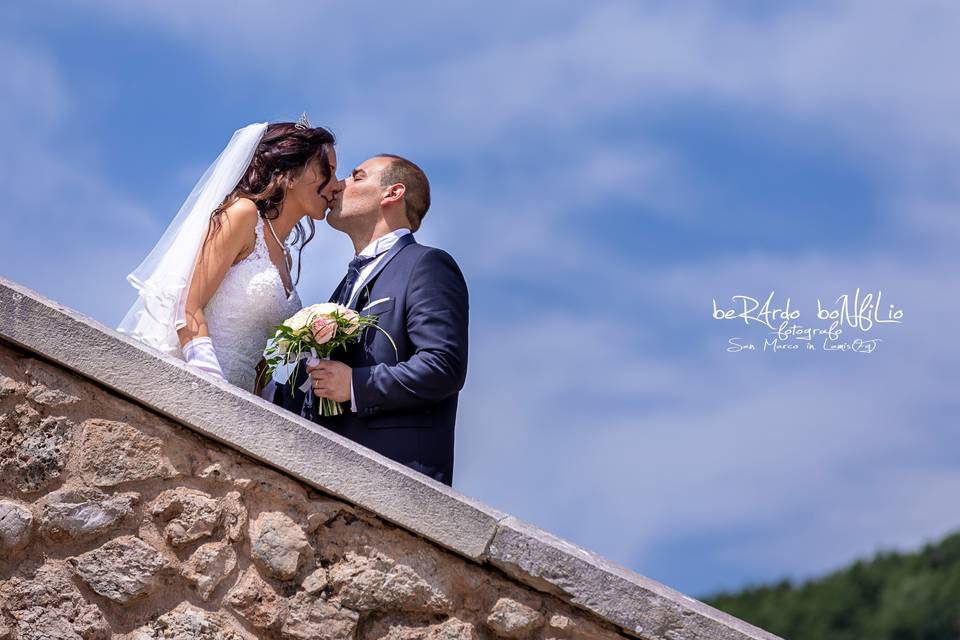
point(307, 386)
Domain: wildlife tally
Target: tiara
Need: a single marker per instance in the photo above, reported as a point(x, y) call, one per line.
point(303, 122)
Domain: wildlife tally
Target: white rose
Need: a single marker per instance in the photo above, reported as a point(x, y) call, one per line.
point(324, 308)
point(299, 320)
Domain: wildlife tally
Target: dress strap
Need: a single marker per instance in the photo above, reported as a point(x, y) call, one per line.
point(260, 246)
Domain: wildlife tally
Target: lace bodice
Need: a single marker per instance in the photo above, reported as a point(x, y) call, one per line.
point(241, 314)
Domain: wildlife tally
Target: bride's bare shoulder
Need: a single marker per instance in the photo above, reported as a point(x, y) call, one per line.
point(238, 225)
point(242, 214)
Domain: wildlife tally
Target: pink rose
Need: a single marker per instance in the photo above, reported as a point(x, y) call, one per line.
point(324, 328)
point(352, 318)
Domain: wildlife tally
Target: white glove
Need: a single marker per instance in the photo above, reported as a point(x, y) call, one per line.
point(200, 354)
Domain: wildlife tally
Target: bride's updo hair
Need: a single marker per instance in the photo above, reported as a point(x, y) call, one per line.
point(283, 153)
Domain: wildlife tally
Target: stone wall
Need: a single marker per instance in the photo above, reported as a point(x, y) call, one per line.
point(116, 522)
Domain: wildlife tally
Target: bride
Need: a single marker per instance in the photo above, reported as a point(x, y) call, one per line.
point(219, 279)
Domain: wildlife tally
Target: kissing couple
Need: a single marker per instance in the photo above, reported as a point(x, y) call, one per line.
point(219, 281)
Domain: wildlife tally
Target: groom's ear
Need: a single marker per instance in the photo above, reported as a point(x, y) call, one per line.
point(393, 193)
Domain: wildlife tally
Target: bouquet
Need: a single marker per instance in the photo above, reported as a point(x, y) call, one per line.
point(317, 331)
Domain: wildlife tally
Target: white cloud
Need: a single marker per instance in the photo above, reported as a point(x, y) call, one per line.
point(879, 73)
point(31, 90)
point(663, 447)
point(67, 232)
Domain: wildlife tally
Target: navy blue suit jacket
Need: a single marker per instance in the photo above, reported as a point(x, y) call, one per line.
point(406, 400)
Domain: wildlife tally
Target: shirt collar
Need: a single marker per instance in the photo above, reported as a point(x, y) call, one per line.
point(383, 243)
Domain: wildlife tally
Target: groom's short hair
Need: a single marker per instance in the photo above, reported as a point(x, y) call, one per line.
point(414, 180)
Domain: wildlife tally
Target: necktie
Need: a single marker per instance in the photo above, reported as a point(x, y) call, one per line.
point(353, 274)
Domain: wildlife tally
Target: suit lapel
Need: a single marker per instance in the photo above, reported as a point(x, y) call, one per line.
point(402, 242)
point(336, 292)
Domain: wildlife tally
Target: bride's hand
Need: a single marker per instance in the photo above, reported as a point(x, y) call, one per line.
point(199, 353)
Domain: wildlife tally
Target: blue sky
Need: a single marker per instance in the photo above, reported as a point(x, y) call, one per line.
point(602, 172)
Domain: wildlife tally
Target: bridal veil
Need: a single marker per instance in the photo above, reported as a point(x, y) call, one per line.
point(162, 279)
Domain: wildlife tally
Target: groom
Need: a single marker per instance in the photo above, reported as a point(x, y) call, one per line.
point(403, 403)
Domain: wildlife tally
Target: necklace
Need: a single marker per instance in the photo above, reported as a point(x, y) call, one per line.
point(287, 259)
point(282, 245)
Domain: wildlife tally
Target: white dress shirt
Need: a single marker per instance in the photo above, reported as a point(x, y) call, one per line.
point(376, 248)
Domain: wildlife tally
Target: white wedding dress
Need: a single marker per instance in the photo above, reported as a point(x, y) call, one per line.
point(250, 301)
point(242, 314)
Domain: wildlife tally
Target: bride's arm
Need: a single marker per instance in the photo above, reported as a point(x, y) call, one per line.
point(222, 248)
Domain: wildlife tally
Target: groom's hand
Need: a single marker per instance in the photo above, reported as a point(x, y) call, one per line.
point(331, 379)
